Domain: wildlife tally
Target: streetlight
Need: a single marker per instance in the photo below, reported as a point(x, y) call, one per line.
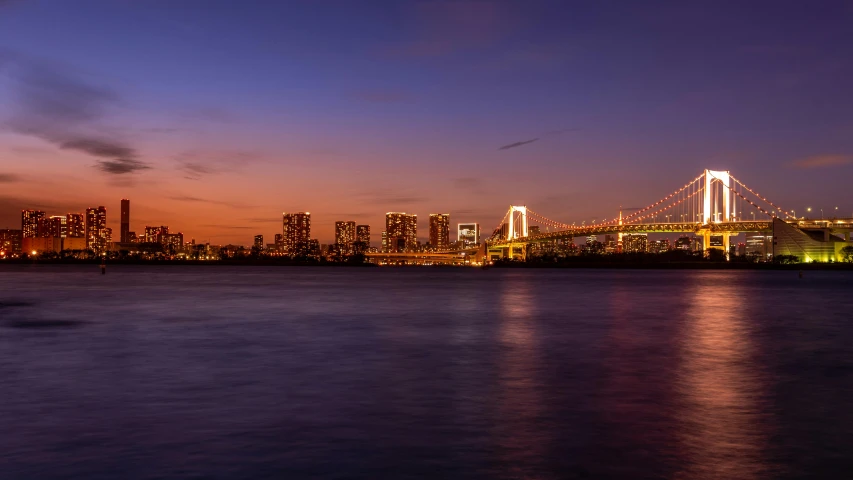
point(753, 216)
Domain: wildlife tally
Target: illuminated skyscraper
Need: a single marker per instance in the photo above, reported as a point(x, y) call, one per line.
point(155, 234)
point(279, 241)
point(296, 232)
point(56, 226)
point(30, 223)
point(344, 234)
point(362, 235)
point(125, 220)
point(96, 229)
point(401, 230)
point(635, 243)
point(10, 242)
point(75, 225)
point(439, 230)
point(259, 242)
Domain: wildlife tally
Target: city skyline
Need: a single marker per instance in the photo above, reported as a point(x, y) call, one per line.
point(417, 107)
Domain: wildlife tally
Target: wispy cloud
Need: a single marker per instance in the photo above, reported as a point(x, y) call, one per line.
point(233, 227)
point(187, 198)
point(389, 198)
point(517, 144)
point(821, 161)
point(197, 164)
point(381, 96)
point(9, 178)
point(58, 107)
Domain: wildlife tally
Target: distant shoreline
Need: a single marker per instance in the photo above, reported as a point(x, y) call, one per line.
point(498, 265)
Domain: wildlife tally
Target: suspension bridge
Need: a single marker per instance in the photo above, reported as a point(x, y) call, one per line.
point(714, 205)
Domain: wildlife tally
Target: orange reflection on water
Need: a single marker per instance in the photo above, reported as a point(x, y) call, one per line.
point(722, 416)
point(520, 439)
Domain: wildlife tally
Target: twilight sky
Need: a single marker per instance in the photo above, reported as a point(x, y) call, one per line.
point(214, 117)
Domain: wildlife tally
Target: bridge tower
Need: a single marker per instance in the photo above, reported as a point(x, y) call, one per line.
point(710, 208)
point(517, 228)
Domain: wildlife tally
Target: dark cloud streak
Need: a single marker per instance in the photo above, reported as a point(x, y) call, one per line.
point(517, 144)
point(57, 107)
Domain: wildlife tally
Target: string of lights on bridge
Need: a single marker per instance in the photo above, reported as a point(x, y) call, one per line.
point(651, 211)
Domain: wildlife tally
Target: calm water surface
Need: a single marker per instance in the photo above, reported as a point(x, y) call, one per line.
point(256, 373)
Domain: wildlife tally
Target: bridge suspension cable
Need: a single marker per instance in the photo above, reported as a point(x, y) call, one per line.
point(761, 197)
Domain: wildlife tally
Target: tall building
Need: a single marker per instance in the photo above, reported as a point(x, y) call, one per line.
point(659, 246)
point(75, 225)
point(759, 245)
point(155, 234)
point(401, 230)
point(533, 230)
point(10, 241)
point(611, 243)
point(259, 242)
point(296, 232)
point(279, 241)
point(439, 231)
point(635, 243)
point(30, 220)
point(344, 234)
point(125, 220)
point(362, 235)
point(96, 229)
point(173, 242)
point(56, 226)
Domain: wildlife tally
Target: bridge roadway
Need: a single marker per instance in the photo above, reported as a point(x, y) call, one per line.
point(628, 228)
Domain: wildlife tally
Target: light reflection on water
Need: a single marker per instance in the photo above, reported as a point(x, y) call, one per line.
point(423, 373)
point(722, 388)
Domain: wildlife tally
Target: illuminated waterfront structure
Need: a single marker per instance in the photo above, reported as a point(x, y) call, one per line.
point(401, 230)
point(278, 240)
point(96, 229)
point(439, 231)
point(125, 220)
point(259, 242)
point(659, 246)
point(362, 235)
point(635, 243)
point(75, 225)
point(296, 232)
point(10, 241)
point(155, 234)
point(173, 242)
point(344, 235)
point(533, 230)
point(30, 220)
point(759, 245)
point(56, 226)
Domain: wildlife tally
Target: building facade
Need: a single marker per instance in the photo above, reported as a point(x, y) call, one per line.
point(10, 241)
point(439, 231)
point(30, 220)
point(345, 235)
point(75, 225)
point(96, 229)
point(259, 242)
point(125, 220)
point(296, 232)
point(362, 235)
point(401, 232)
point(635, 243)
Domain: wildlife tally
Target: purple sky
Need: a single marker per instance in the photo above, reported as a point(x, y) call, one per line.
point(214, 117)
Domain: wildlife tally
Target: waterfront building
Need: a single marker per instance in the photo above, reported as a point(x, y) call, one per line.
point(345, 235)
point(296, 232)
point(10, 241)
point(96, 229)
point(611, 244)
point(75, 226)
point(125, 221)
point(533, 230)
point(362, 235)
point(30, 220)
point(155, 234)
point(278, 241)
point(401, 231)
point(468, 234)
point(439, 231)
point(259, 242)
point(759, 245)
point(635, 243)
point(56, 226)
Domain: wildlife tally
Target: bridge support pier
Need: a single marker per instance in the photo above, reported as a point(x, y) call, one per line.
point(706, 240)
